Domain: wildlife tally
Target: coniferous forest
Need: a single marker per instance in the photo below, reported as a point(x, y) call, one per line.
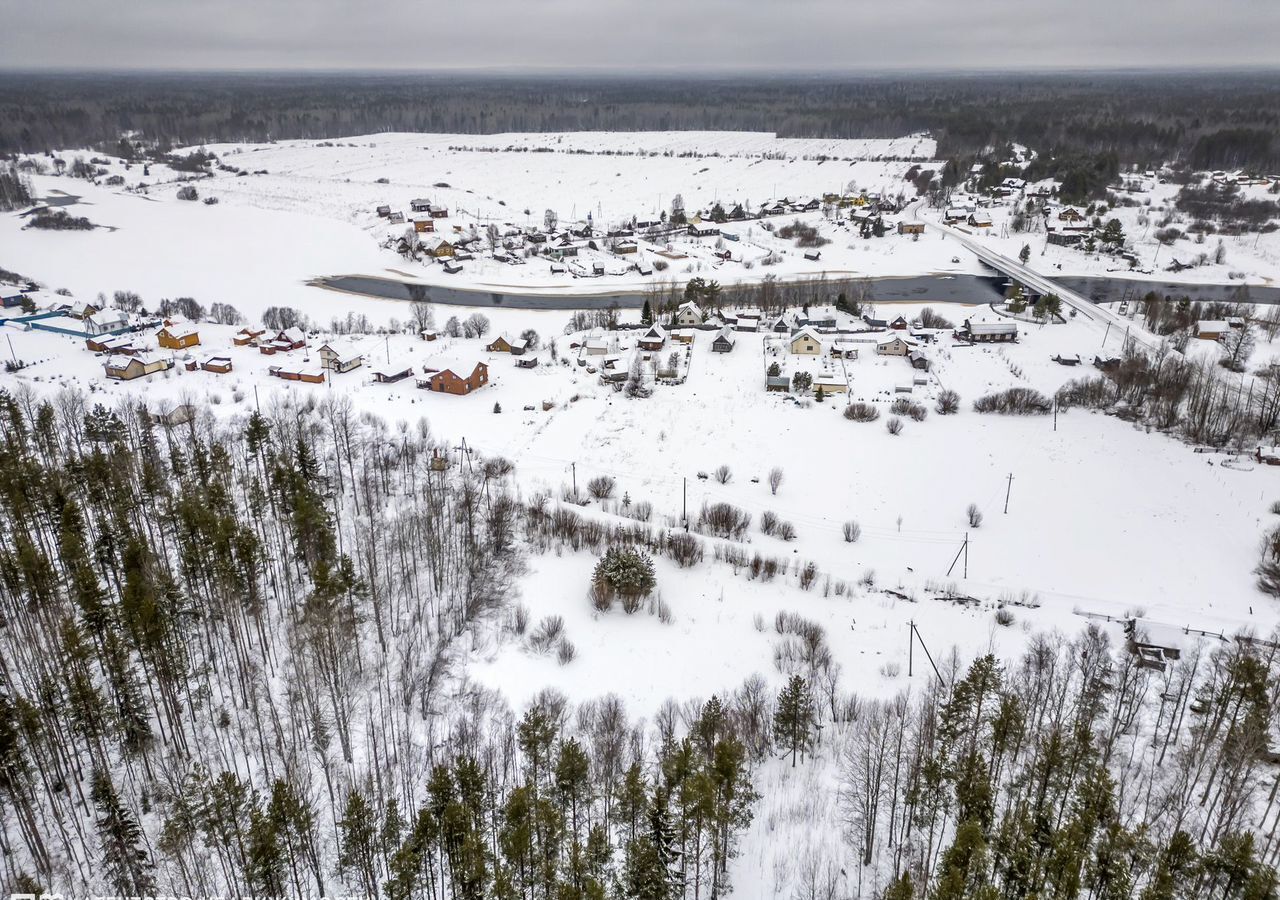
point(232, 662)
point(1206, 120)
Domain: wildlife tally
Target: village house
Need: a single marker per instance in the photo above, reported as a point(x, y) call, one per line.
point(396, 218)
point(1212, 329)
point(682, 336)
point(419, 205)
point(116, 344)
point(283, 342)
point(307, 374)
point(1070, 214)
point(384, 211)
point(895, 344)
point(688, 315)
point(813, 255)
point(11, 298)
point(844, 350)
point(219, 365)
point(527, 362)
point(178, 336)
point(428, 334)
point(910, 228)
point(829, 383)
point(625, 247)
point(918, 360)
point(174, 414)
point(247, 336)
point(806, 342)
point(127, 368)
point(503, 344)
point(453, 377)
point(341, 356)
point(450, 266)
point(105, 320)
point(437, 212)
point(704, 229)
point(424, 225)
point(653, 339)
point(1155, 644)
point(723, 342)
point(390, 373)
point(988, 329)
point(955, 214)
point(595, 346)
point(438, 246)
point(980, 219)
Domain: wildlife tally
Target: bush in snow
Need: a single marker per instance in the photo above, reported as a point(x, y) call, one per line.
point(852, 531)
point(725, 520)
point(724, 474)
point(1016, 401)
point(566, 651)
point(685, 550)
point(975, 515)
point(861, 412)
point(601, 487)
point(188, 192)
point(894, 425)
point(547, 634)
point(1004, 617)
point(905, 406)
point(948, 403)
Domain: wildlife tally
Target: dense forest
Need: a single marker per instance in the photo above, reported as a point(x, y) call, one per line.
point(232, 661)
point(1209, 120)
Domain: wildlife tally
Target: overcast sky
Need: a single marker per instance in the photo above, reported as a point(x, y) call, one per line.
point(785, 35)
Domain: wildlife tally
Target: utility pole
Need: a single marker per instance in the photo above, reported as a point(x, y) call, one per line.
point(574, 467)
point(684, 502)
point(911, 644)
point(9, 338)
point(1007, 491)
point(1055, 413)
point(1105, 335)
point(966, 555)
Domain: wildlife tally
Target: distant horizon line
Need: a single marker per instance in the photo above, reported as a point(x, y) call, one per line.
point(887, 72)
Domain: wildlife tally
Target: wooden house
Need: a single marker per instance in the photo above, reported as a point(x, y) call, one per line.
point(247, 337)
point(805, 342)
point(429, 334)
point(392, 372)
point(425, 225)
point(504, 344)
point(219, 365)
point(116, 344)
point(384, 211)
point(987, 329)
point(682, 336)
point(895, 344)
point(178, 336)
point(653, 339)
point(341, 356)
point(704, 229)
point(688, 315)
point(283, 342)
point(625, 247)
point(127, 368)
point(910, 228)
point(420, 205)
point(105, 321)
point(918, 361)
point(11, 298)
point(437, 246)
point(1212, 329)
point(307, 374)
point(724, 341)
point(454, 377)
point(450, 266)
point(980, 219)
point(174, 414)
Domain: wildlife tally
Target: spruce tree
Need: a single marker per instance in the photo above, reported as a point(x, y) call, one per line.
point(794, 719)
point(124, 861)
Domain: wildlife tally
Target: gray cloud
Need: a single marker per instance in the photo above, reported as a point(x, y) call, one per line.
point(658, 34)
